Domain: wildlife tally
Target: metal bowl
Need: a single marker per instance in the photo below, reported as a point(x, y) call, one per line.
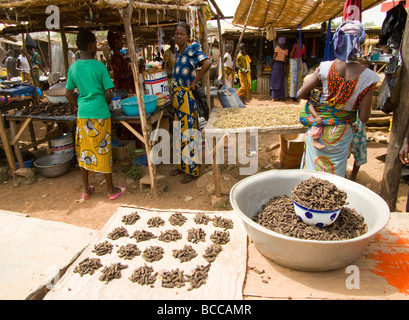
point(53, 165)
point(250, 194)
point(56, 95)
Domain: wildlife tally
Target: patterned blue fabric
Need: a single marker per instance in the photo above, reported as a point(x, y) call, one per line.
point(188, 150)
point(184, 71)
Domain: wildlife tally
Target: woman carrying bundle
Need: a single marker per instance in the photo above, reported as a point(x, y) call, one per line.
point(347, 88)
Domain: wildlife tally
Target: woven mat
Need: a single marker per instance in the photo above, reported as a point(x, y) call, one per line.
point(225, 278)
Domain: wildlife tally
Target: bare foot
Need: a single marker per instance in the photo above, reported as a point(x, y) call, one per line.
point(317, 144)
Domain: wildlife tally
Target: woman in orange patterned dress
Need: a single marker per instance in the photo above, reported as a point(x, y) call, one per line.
point(347, 88)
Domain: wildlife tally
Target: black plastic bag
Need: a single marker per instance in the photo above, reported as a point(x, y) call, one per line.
point(393, 26)
point(30, 42)
point(201, 102)
point(389, 93)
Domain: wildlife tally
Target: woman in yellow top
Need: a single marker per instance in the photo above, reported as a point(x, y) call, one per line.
point(243, 64)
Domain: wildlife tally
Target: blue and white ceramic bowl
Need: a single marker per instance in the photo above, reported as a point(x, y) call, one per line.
point(316, 218)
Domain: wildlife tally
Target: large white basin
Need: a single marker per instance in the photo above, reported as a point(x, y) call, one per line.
point(249, 195)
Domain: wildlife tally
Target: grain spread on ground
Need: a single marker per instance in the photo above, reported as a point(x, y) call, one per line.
point(274, 116)
point(278, 215)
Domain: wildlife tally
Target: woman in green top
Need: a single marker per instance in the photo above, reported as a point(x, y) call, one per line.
point(93, 135)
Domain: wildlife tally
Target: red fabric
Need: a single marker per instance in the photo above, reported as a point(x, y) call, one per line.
point(295, 55)
point(352, 10)
point(121, 68)
point(386, 6)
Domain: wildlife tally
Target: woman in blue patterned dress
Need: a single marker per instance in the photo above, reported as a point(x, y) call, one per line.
point(185, 78)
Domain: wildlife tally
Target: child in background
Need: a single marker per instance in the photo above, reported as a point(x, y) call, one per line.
point(316, 130)
point(93, 135)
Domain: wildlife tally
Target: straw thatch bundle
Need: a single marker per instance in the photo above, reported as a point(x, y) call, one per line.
point(31, 15)
point(289, 14)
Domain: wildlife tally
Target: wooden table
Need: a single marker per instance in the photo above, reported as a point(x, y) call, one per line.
point(381, 272)
point(19, 122)
point(4, 108)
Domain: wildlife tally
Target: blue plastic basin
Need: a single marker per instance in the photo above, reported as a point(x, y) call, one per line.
point(130, 105)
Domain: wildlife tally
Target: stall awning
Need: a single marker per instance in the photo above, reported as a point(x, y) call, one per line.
point(289, 14)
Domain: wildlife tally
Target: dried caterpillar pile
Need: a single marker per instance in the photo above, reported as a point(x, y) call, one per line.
point(146, 275)
point(278, 215)
point(319, 194)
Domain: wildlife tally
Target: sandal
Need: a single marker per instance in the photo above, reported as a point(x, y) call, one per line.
point(175, 172)
point(115, 196)
point(90, 190)
point(187, 179)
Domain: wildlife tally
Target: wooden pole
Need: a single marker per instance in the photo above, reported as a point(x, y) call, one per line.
point(241, 37)
point(222, 52)
point(221, 42)
point(50, 57)
point(206, 77)
point(7, 147)
point(393, 166)
point(126, 14)
point(64, 49)
point(31, 72)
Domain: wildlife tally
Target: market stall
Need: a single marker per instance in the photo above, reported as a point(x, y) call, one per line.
point(229, 124)
point(138, 20)
point(27, 120)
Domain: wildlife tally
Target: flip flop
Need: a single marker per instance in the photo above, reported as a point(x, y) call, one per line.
point(86, 196)
point(175, 172)
point(115, 196)
point(187, 179)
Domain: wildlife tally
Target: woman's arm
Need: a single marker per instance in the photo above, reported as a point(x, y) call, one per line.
point(206, 64)
point(274, 56)
point(311, 83)
point(109, 95)
point(365, 107)
point(70, 97)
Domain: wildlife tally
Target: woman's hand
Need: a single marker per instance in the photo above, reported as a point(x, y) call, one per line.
point(193, 84)
point(206, 63)
point(404, 157)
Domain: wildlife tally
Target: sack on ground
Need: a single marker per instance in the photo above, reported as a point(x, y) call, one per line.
point(228, 98)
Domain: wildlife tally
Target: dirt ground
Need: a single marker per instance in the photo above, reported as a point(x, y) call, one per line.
point(58, 198)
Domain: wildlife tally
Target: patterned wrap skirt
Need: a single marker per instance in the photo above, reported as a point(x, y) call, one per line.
point(333, 158)
point(277, 80)
point(336, 136)
point(93, 145)
point(188, 148)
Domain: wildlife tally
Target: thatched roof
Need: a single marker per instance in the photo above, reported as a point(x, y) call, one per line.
point(31, 16)
point(289, 14)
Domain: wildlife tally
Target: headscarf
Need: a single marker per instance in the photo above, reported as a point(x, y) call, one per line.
point(113, 38)
point(347, 39)
point(281, 40)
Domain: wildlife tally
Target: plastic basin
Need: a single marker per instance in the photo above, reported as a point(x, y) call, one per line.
point(53, 165)
point(130, 105)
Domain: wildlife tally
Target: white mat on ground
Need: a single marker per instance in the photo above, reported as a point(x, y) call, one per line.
point(225, 278)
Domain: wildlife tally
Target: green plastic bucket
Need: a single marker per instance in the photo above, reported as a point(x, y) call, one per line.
point(253, 85)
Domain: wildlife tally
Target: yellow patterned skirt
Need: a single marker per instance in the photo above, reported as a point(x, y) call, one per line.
point(93, 145)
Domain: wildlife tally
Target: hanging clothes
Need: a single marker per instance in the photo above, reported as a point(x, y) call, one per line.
point(193, 18)
point(352, 10)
